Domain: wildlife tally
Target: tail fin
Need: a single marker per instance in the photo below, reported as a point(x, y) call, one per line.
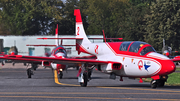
point(56, 35)
point(80, 33)
point(164, 43)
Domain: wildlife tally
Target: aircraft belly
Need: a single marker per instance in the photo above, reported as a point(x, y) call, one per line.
point(54, 65)
point(106, 68)
point(139, 67)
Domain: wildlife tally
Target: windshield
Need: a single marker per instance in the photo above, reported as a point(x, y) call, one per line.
point(60, 50)
point(147, 50)
point(136, 46)
point(124, 46)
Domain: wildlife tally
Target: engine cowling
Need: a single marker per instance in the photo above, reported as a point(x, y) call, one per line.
point(46, 63)
point(110, 67)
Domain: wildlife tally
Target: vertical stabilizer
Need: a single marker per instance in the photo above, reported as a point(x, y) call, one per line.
point(56, 36)
point(164, 43)
point(80, 33)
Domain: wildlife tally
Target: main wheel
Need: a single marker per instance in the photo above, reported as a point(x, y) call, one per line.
point(60, 74)
point(85, 77)
point(29, 72)
point(154, 84)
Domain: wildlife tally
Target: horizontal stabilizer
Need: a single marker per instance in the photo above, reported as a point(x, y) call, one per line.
point(59, 38)
point(49, 45)
point(43, 45)
point(108, 38)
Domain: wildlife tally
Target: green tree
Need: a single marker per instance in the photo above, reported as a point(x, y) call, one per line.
point(30, 17)
point(137, 2)
point(132, 25)
point(163, 22)
point(105, 14)
point(67, 24)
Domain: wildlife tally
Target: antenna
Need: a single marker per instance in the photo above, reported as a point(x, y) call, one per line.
point(56, 35)
point(104, 36)
point(164, 43)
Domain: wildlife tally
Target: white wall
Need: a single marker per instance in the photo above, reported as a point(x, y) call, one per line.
point(22, 41)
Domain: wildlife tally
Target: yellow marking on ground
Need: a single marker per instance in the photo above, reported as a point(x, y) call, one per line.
point(141, 89)
point(106, 98)
point(57, 81)
point(83, 93)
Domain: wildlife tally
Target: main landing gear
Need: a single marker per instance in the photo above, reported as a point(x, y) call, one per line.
point(160, 82)
point(30, 70)
point(85, 76)
point(84, 79)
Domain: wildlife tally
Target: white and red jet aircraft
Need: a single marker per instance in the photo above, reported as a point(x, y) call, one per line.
point(58, 52)
point(134, 59)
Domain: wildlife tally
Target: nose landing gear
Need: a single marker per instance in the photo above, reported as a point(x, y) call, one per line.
point(160, 82)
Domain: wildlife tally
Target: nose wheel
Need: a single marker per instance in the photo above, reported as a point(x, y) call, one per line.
point(60, 74)
point(154, 84)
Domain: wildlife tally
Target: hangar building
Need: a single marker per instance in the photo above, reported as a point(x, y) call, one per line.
point(21, 41)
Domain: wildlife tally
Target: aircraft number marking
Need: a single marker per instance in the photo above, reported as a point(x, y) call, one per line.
point(96, 49)
point(140, 64)
point(78, 29)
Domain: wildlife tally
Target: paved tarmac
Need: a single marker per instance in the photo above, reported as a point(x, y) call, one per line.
point(44, 86)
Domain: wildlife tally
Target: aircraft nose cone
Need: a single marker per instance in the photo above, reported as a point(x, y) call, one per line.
point(168, 67)
point(60, 55)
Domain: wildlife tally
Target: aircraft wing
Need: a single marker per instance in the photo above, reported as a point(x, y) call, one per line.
point(21, 60)
point(64, 61)
point(176, 59)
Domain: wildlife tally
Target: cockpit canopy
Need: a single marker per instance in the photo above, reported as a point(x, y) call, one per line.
point(58, 50)
point(136, 47)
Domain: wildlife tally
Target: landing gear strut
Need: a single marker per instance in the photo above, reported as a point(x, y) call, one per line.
point(34, 66)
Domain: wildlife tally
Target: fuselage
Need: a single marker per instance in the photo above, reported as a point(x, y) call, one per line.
point(58, 52)
point(138, 59)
